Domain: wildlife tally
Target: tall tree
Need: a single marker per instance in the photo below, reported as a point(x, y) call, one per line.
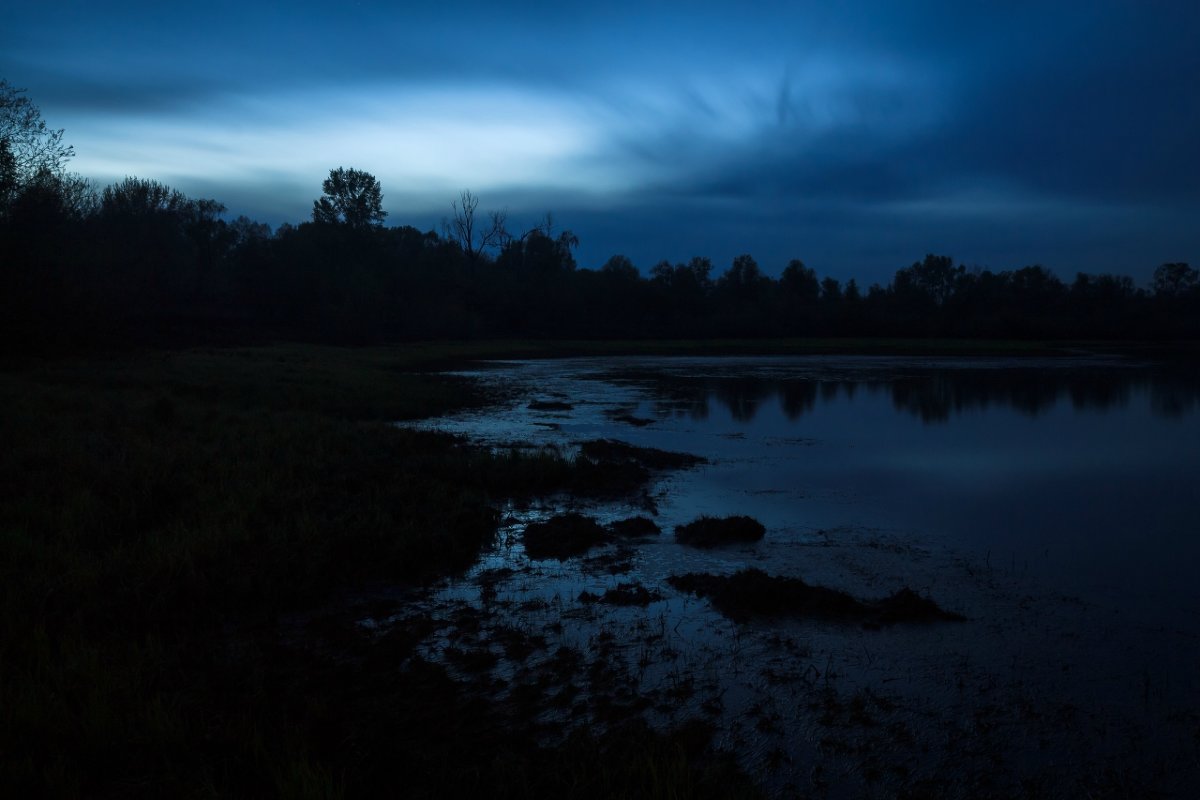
point(620, 267)
point(800, 281)
point(29, 149)
point(1175, 280)
point(140, 198)
point(351, 197)
point(464, 229)
point(743, 278)
point(935, 278)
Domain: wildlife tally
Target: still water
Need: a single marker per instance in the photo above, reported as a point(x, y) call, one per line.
point(1052, 502)
point(1084, 471)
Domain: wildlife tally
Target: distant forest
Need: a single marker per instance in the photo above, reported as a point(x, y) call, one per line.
point(138, 261)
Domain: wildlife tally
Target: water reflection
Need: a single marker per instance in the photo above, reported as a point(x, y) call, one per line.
point(933, 395)
point(1078, 469)
point(1049, 501)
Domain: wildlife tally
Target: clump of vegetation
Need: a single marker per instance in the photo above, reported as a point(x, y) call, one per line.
point(625, 416)
point(563, 536)
point(632, 760)
point(613, 451)
point(753, 593)
point(635, 528)
point(624, 594)
point(906, 605)
point(549, 405)
point(601, 468)
point(715, 531)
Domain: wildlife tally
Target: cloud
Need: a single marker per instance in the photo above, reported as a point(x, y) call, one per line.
point(853, 135)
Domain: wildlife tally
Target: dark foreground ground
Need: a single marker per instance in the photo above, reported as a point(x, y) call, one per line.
point(161, 513)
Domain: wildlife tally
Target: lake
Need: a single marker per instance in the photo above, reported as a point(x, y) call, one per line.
point(1050, 501)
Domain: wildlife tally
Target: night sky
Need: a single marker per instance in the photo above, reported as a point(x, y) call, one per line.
point(855, 135)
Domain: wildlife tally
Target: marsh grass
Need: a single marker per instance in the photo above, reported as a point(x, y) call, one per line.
point(563, 536)
point(160, 511)
point(709, 531)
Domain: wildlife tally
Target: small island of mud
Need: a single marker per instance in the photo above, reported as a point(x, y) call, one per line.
point(716, 531)
point(753, 593)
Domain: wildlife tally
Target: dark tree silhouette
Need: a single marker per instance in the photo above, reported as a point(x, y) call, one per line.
point(464, 228)
point(800, 281)
point(352, 197)
point(30, 151)
point(141, 198)
point(743, 278)
point(50, 197)
point(209, 235)
point(161, 245)
point(621, 267)
point(1175, 280)
point(935, 278)
point(539, 250)
point(144, 261)
point(8, 174)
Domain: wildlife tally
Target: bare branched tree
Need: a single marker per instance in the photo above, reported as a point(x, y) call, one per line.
point(499, 229)
point(30, 151)
point(463, 230)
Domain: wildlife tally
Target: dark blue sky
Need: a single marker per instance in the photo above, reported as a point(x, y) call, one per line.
point(854, 135)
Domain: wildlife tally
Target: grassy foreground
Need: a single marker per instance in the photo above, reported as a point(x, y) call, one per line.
point(161, 512)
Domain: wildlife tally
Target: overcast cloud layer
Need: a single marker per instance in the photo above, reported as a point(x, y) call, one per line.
point(855, 135)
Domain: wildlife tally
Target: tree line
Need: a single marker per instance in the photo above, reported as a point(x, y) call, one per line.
point(140, 260)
